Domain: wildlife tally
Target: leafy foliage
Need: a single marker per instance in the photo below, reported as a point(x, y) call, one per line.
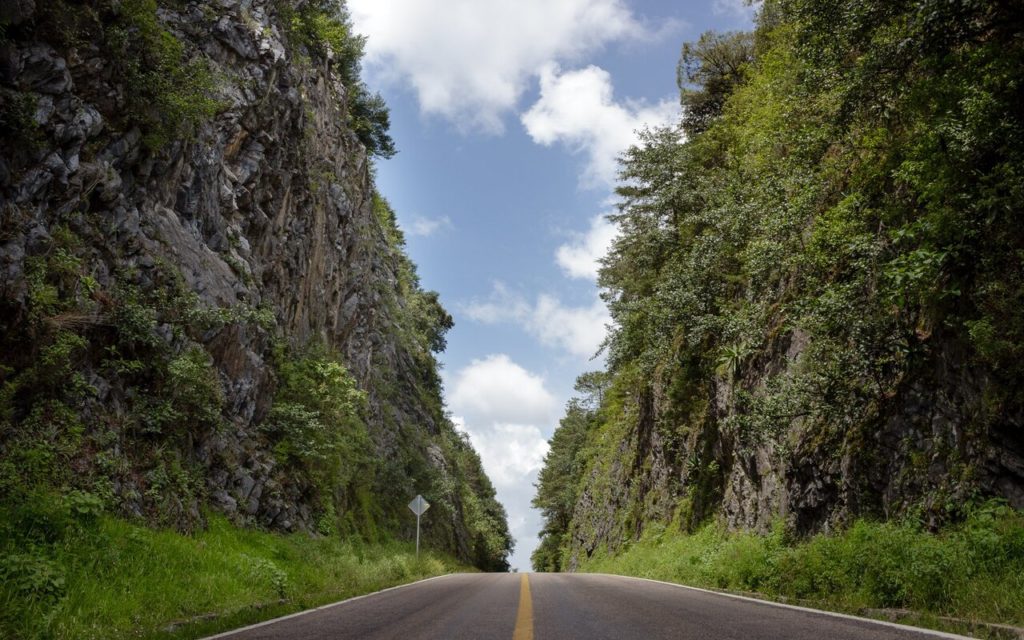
point(969, 571)
point(57, 428)
point(315, 421)
point(17, 118)
point(324, 29)
point(557, 483)
point(426, 320)
point(169, 90)
point(830, 228)
point(32, 577)
point(715, 64)
point(100, 576)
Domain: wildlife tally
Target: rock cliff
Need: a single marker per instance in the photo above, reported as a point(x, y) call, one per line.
point(928, 448)
point(190, 226)
point(817, 287)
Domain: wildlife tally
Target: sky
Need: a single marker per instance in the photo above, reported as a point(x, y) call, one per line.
point(509, 116)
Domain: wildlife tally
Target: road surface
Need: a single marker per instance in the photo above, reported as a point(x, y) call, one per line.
point(541, 606)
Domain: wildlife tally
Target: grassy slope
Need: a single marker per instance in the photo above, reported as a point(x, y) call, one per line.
point(108, 578)
point(973, 571)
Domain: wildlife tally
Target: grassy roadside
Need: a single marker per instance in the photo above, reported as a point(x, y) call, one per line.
point(94, 576)
point(973, 571)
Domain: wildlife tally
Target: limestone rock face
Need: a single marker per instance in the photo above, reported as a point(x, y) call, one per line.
point(264, 206)
point(932, 444)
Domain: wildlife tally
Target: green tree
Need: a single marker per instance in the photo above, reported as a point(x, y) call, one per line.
point(324, 29)
point(708, 71)
point(559, 477)
point(315, 422)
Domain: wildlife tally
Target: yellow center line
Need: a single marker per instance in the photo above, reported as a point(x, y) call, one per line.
point(524, 619)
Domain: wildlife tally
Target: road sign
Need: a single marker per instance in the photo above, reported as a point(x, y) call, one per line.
point(418, 506)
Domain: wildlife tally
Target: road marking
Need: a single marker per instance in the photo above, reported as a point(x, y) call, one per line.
point(524, 619)
point(833, 614)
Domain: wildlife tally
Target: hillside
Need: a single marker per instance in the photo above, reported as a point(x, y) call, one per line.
point(818, 295)
point(205, 305)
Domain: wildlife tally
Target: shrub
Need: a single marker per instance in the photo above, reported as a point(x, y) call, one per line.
point(83, 507)
point(971, 570)
point(195, 388)
point(17, 119)
point(32, 577)
point(168, 90)
point(323, 29)
point(315, 420)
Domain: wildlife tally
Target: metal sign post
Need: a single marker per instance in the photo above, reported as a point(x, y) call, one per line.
point(418, 506)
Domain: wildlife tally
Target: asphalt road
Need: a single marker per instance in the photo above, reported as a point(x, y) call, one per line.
point(564, 607)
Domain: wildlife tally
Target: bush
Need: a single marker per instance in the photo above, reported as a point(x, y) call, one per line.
point(315, 421)
point(972, 570)
point(323, 29)
point(84, 507)
point(17, 119)
point(114, 579)
point(32, 577)
point(35, 518)
point(168, 89)
point(195, 389)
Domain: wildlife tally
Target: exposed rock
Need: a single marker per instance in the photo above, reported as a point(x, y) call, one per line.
point(43, 70)
point(929, 445)
point(266, 205)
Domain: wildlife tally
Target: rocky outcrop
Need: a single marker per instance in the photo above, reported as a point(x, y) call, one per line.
point(256, 212)
point(935, 444)
point(810, 328)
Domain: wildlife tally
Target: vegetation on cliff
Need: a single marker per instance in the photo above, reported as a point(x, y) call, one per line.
point(208, 324)
point(80, 573)
point(970, 572)
point(817, 290)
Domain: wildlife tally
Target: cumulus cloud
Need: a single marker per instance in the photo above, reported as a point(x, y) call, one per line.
point(426, 227)
point(505, 410)
point(580, 257)
point(498, 390)
point(577, 330)
point(470, 60)
point(742, 9)
point(509, 452)
point(578, 109)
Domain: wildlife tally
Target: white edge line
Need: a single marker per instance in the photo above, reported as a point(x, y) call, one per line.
point(265, 623)
point(845, 616)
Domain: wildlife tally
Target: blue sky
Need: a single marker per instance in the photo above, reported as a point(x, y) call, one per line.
point(508, 116)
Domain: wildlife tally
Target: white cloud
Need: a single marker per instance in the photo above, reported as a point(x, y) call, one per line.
point(501, 306)
point(578, 109)
point(512, 455)
point(506, 410)
point(495, 389)
point(579, 258)
point(470, 60)
point(509, 452)
point(425, 227)
point(736, 8)
point(577, 330)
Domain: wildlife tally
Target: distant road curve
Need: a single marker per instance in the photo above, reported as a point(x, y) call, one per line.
point(559, 606)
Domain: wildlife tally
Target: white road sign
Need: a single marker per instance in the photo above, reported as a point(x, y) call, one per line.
point(419, 505)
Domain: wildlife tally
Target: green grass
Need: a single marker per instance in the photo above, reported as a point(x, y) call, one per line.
point(972, 571)
point(103, 577)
